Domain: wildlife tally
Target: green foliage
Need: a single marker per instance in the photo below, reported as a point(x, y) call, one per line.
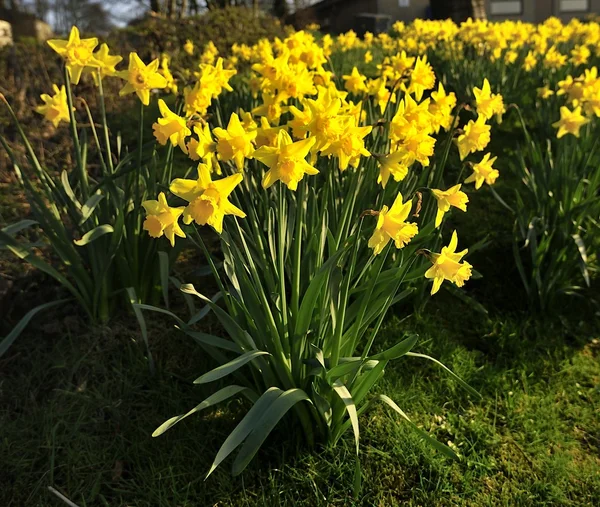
point(91, 220)
point(224, 27)
point(557, 229)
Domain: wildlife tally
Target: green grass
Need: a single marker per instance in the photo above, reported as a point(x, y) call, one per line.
point(78, 408)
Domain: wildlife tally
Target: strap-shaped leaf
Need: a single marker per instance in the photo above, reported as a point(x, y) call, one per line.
point(464, 385)
point(9, 339)
point(584, 259)
point(88, 208)
point(230, 367)
point(436, 444)
point(245, 426)
point(13, 229)
point(213, 341)
point(349, 365)
point(398, 350)
point(265, 425)
point(163, 259)
point(213, 399)
point(310, 296)
point(342, 391)
point(64, 178)
point(346, 397)
point(94, 234)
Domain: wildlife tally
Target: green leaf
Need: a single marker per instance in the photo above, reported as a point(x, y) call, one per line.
point(584, 259)
point(230, 367)
point(88, 208)
point(13, 229)
point(64, 178)
point(133, 299)
point(8, 340)
point(94, 234)
point(342, 391)
point(245, 426)
point(265, 425)
point(213, 399)
point(464, 385)
point(307, 306)
point(398, 350)
point(444, 449)
point(163, 259)
point(212, 341)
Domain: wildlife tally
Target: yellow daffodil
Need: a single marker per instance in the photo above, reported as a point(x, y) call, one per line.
point(286, 161)
point(188, 47)
point(570, 122)
point(55, 107)
point(447, 266)
point(106, 62)
point(441, 107)
point(78, 53)
point(488, 103)
point(234, 143)
point(141, 78)
point(529, 62)
point(544, 92)
point(484, 172)
point(580, 55)
point(392, 225)
point(368, 57)
point(204, 147)
point(162, 219)
point(422, 78)
point(447, 198)
point(349, 146)
point(171, 86)
point(355, 82)
point(208, 199)
point(475, 137)
point(171, 127)
point(267, 135)
point(392, 164)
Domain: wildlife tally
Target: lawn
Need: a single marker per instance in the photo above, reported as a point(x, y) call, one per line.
point(79, 406)
point(328, 184)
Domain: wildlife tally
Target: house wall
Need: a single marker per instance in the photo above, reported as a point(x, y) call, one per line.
point(536, 11)
point(340, 16)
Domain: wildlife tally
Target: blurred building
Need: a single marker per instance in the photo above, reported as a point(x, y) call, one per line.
point(21, 25)
point(377, 15)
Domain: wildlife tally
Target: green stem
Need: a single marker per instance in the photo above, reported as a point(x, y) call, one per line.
point(282, 222)
point(83, 179)
point(105, 125)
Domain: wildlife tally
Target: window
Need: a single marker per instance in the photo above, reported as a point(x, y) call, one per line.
point(504, 8)
point(573, 5)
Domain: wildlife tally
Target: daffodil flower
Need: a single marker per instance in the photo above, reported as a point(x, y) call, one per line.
point(55, 107)
point(392, 225)
point(162, 219)
point(570, 122)
point(141, 78)
point(475, 137)
point(447, 198)
point(234, 143)
point(78, 53)
point(447, 266)
point(208, 200)
point(171, 127)
point(286, 161)
point(484, 172)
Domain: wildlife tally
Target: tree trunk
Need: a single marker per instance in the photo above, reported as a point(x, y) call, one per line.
point(155, 6)
point(171, 8)
point(183, 9)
